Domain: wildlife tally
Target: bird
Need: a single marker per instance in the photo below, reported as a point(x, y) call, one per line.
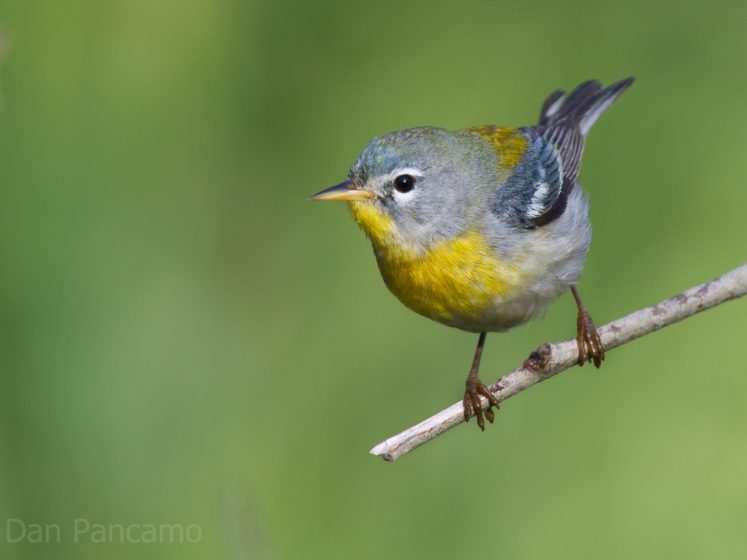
point(482, 228)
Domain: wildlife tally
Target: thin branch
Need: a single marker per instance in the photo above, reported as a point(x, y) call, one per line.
point(551, 359)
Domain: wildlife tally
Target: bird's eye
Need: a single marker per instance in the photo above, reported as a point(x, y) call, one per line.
point(404, 183)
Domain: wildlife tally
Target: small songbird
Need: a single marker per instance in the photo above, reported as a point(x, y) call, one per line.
point(482, 228)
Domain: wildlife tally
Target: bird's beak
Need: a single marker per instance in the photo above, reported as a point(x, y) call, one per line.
point(344, 191)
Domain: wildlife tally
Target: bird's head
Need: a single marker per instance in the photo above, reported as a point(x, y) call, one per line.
point(418, 186)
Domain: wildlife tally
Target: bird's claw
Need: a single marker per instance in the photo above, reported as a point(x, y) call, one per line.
point(473, 406)
point(589, 344)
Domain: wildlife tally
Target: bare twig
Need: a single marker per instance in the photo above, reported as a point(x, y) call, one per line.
point(550, 359)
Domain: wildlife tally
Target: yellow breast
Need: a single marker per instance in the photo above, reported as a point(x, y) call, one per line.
point(461, 278)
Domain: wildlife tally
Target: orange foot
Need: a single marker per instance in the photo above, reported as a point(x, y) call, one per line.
point(472, 404)
point(589, 344)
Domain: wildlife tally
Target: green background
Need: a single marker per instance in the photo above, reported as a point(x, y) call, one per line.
point(185, 339)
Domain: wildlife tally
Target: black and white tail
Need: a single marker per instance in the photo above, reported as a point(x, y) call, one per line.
point(583, 106)
point(565, 119)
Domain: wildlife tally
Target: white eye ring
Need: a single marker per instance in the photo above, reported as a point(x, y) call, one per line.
point(403, 196)
point(404, 183)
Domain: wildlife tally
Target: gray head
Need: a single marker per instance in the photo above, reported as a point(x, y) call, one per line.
point(430, 182)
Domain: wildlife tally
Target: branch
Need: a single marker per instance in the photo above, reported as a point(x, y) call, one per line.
point(550, 359)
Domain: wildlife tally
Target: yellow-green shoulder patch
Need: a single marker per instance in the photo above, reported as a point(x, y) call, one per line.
point(509, 143)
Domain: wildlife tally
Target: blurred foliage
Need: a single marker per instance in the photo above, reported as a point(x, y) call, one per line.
point(185, 339)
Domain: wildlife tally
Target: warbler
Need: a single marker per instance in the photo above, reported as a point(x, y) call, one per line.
point(482, 228)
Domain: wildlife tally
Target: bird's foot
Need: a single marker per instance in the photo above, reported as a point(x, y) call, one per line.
point(472, 404)
point(589, 344)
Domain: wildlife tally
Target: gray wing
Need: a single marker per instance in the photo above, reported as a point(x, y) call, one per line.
point(565, 119)
point(535, 186)
point(568, 143)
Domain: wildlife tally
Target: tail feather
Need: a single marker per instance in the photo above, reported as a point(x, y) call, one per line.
point(565, 119)
point(583, 106)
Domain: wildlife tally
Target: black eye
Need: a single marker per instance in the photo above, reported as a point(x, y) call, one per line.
point(404, 183)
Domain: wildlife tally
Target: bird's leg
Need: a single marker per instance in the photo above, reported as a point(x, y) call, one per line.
point(589, 344)
point(475, 388)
